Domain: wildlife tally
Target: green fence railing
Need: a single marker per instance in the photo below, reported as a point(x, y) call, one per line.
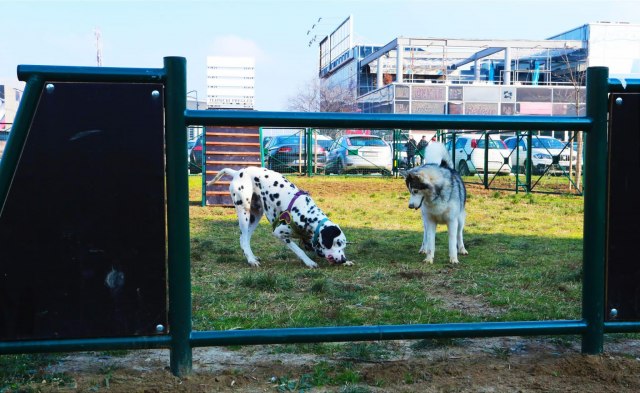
point(181, 339)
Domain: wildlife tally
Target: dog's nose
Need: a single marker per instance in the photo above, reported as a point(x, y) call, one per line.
point(411, 205)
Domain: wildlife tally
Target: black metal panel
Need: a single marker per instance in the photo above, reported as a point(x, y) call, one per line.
point(623, 261)
point(82, 233)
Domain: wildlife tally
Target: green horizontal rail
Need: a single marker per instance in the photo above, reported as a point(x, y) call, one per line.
point(85, 344)
point(92, 74)
point(382, 120)
point(384, 332)
point(621, 327)
point(617, 85)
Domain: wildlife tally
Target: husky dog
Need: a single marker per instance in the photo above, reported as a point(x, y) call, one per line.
point(291, 212)
point(438, 191)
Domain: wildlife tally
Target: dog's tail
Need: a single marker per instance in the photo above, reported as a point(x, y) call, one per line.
point(436, 153)
point(225, 171)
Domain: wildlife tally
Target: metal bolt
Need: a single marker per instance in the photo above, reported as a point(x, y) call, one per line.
point(50, 87)
point(613, 313)
point(159, 328)
point(155, 94)
point(619, 101)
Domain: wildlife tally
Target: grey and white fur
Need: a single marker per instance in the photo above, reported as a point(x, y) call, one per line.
point(259, 191)
point(438, 191)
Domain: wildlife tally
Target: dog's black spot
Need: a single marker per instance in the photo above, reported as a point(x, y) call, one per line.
point(281, 185)
point(275, 183)
point(266, 176)
point(241, 173)
point(255, 202)
point(295, 210)
point(276, 195)
point(239, 202)
point(256, 179)
point(288, 240)
point(278, 203)
point(292, 186)
point(252, 219)
point(241, 188)
point(328, 234)
point(303, 218)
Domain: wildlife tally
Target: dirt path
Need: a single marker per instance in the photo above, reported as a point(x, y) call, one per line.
point(469, 365)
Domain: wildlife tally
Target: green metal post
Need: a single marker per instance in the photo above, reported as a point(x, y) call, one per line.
point(453, 150)
point(203, 169)
point(310, 152)
point(19, 133)
point(178, 216)
point(595, 203)
point(261, 147)
point(528, 169)
point(485, 178)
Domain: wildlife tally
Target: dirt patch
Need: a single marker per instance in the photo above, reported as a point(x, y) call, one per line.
point(470, 365)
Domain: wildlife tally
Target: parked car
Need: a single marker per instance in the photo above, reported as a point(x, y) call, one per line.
point(547, 153)
point(359, 153)
point(283, 153)
point(195, 156)
point(469, 154)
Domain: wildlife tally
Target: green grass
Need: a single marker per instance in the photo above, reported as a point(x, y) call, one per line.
point(525, 263)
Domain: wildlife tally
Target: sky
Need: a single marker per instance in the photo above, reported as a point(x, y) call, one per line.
point(276, 32)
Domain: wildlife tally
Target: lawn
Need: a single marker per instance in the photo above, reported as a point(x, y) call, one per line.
point(524, 262)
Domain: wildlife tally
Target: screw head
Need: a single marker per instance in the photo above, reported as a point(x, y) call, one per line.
point(159, 328)
point(619, 101)
point(155, 94)
point(613, 313)
point(50, 87)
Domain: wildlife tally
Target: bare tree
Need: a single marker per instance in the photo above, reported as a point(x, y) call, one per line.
point(316, 96)
point(574, 73)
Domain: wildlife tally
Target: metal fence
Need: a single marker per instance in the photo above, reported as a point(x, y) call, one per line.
point(181, 339)
point(550, 166)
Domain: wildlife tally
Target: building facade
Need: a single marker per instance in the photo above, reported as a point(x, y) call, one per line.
point(10, 95)
point(490, 77)
point(230, 82)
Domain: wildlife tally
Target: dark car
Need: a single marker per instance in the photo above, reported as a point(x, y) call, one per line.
point(195, 156)
point(283, 153)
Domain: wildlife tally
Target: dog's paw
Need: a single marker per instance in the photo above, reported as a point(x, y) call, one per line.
point(254, 262)
point(463, 251)
point(429, 259)
point(453, 260)
point(348, 263)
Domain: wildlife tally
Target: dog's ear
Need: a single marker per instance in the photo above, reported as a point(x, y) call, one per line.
point(327, 235)
point(415, 181)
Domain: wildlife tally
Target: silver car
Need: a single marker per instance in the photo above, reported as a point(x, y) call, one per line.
point(359, 154)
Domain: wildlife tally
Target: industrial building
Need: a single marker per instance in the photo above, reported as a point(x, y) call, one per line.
point(474, 76)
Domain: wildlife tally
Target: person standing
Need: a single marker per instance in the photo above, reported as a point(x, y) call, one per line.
point(411, 152)
point(422, 145)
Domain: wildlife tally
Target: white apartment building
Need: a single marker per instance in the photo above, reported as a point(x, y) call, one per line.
point(230, 82)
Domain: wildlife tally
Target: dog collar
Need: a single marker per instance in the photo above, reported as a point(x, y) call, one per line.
point(316, 233)
point(285, 216)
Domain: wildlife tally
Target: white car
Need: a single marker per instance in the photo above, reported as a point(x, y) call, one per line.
point(469, 154)
point(547, 153)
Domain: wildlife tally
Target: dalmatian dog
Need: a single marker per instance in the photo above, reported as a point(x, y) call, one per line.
point(292, 213)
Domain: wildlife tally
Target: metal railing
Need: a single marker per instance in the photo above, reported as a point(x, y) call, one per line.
point(182, 339)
